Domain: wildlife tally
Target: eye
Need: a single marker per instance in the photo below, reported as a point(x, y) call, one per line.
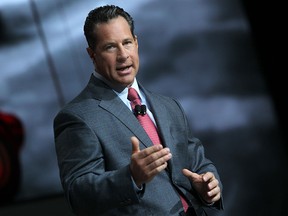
point(128, 43)
point(110, 47)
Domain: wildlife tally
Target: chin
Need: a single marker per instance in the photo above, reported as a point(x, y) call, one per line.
point(127, 81)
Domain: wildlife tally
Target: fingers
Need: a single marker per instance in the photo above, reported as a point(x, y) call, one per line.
point(135, 145)
point(194, 177)
point(150, 150)
point(212, 184)
point(186, 172)
point(147, 163)
point(151, 153)
point(209, 176)
point(156, 158)
point(206, 185)
point(213, 195)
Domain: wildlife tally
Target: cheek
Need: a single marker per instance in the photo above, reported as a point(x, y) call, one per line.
point(105, 63)
point(134, 54)
point(136, 60)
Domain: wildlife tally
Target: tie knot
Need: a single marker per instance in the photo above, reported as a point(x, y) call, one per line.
point(133, 96)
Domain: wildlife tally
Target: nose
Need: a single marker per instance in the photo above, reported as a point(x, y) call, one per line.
point(122, 54)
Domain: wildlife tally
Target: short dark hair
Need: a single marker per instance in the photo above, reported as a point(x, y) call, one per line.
point(102, 15)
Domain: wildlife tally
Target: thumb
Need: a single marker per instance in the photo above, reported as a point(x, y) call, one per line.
point(194, 177)
point(135, 145)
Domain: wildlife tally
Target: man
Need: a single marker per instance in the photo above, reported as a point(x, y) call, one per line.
point(108, 164)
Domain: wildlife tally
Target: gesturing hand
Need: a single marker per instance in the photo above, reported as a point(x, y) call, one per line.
point(205, 184)
point(147, 163)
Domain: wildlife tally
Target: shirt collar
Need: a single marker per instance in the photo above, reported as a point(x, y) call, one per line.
point(123, 94)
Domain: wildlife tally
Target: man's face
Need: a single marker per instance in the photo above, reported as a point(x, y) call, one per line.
point(116, 53)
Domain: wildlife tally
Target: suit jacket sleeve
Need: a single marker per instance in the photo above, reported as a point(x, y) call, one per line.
point(191, 156)
point(87, 181)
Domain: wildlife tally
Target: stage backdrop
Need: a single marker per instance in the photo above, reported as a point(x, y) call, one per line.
point(199, 52)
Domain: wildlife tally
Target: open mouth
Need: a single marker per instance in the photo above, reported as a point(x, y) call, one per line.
point(123, 69)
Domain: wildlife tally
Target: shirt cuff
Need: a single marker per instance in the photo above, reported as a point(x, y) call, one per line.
point(137, 189)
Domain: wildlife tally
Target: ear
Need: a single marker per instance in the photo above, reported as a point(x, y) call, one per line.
point(136, 40)
point(90, 52)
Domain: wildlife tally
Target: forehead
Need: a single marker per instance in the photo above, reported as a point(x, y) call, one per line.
point(113, 29)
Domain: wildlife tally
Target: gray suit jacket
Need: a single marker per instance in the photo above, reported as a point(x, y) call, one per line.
point(92, 139)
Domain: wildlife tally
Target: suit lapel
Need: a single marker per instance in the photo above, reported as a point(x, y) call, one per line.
point(117, 108)
point(113, 104)
point(160, 116)
point(163, 123)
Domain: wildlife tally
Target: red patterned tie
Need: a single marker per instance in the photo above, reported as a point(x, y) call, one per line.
point(148, 125)
point(143, 118)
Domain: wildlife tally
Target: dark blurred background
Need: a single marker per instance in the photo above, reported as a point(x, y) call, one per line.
point(221, 59)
